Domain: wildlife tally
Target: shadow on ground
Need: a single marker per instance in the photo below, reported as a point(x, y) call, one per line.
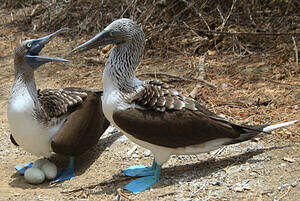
point(202, 169)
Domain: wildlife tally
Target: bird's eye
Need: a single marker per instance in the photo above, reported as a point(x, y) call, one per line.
point(28, 45)
point(111, 34)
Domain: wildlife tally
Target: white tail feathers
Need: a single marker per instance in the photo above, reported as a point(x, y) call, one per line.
point(275, 126)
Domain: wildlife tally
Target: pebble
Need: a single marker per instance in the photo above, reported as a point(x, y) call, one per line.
point(216, 183)
point(283, 164)
point(123, 138)
point(130, 152)
point(134, 155)
point(283, 186)
point(267, 191)
point(291, 160)
point(147, 153)
point(238, 189)
point(186, 199)
point(294, 184)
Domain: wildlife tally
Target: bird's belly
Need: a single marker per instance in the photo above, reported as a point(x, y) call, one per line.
point(29, 133)
point(201, 148)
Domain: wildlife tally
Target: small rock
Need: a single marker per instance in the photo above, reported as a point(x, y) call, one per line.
point(216, 183)
point(256, 139)
point(294, 184)
point(283, 186)
point(186, 199)
point(283, 164)
point(222, 116)
point(123, 138)
point(134, 155)
point(267, 191)
point(288, 159)
point(248, 188)
point(147, 153)
point(224, 85)
point(130, 152)
point(238, 189)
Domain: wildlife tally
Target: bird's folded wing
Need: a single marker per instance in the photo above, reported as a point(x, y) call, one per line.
point(167, 118)
point(82, 128)
point(58, 102)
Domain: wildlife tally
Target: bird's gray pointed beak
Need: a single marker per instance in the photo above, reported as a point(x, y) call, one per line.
point(100, 39)
point(46, 39)
point(32, 57)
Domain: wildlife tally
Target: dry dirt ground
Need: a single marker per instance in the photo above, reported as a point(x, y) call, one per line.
point(264, 169)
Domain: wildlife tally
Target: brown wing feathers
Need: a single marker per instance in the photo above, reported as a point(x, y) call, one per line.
point(172, 120)
point(57, 102)
point(157, 95)
point(82, 128)
point(85, 121)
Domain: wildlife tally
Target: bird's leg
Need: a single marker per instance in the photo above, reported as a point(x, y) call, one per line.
point(143, 183)
point(140, 170)
point(65, 174)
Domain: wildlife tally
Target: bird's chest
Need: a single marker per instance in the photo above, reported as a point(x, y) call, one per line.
point(19, 112)
point(111, 102)
point(28, 132)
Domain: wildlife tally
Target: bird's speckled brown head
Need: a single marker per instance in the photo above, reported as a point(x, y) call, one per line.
point(20, 51)
point(118, 32)
point(27, 53)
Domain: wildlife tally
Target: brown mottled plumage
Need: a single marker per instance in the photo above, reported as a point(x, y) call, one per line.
point(158, 96)
point(57, 102)
point(84, 124)
point(167, 114)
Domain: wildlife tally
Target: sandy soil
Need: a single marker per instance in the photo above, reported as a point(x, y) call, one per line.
point(264, 169)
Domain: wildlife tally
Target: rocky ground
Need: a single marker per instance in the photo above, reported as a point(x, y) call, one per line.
point(264, 169)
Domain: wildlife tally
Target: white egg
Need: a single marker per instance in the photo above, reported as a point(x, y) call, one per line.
point(39, 163)
point(50, 170)
point(34, 175)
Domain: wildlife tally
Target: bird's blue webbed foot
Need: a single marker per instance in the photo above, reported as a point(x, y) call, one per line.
point(23, 167)
point(65, 174)
point(143, 183)
point(140, 170)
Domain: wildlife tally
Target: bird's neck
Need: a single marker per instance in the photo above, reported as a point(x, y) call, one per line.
point(120, 68)
point(24, 86)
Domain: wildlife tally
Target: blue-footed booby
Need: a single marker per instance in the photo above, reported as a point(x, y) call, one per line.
point(151, 113)
point(66, 121)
